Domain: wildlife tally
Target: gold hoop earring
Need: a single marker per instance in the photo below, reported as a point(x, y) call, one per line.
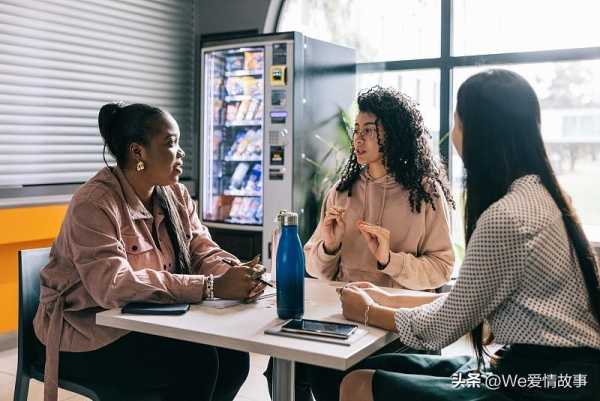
point(140, 166)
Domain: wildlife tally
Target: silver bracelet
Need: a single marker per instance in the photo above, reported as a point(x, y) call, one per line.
point(210, 287)
point(367, 314)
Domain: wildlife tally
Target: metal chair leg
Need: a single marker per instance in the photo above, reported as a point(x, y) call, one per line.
point(21, 387)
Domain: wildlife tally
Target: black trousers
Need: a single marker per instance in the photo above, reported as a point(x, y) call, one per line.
point(139, 364)
point(544, 374)
point(324, 383)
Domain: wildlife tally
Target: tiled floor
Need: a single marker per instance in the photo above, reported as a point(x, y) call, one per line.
point(255, 388)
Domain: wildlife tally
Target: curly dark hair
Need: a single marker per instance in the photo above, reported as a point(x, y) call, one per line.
point(407, 155)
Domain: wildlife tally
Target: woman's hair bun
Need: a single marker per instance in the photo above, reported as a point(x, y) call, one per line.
point(107, 117)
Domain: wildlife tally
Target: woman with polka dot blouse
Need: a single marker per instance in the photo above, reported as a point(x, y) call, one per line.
point(528, 271)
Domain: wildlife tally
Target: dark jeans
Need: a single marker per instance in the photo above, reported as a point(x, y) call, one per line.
point(144, 364)
point(324, 383)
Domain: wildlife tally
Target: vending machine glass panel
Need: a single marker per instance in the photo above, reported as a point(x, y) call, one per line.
point(233, 136)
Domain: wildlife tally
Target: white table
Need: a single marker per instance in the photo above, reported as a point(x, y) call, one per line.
point(242, 328)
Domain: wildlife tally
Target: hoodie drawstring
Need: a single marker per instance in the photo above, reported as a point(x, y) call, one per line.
point(380, 217)
point(366, 201)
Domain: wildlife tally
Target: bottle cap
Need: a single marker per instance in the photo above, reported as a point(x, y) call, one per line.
point(286, 218)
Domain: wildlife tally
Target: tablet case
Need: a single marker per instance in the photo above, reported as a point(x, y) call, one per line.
point(146, 308)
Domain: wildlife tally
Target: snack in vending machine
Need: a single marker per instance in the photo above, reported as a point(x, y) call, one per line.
point(221, 207)
point(250, 213)
point(251, 86)
point(234, 212)
point(235, 86)
point(234, 62)
point(254, 148)
point(258, 215)
point(232, 109)
point(242, 145)
point(245, 209)
point(253, 60)
point(242, 110)
point(237, 178)
point(216, 142)
point(234, 148)
point(218, 111)
point(251, 109)
point(218, 86)
point(253, 183)
point(259, 112)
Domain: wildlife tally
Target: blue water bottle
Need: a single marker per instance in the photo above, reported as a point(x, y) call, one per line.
point(289, 268)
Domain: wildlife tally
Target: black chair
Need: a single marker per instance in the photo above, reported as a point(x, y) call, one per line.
point(31, 262)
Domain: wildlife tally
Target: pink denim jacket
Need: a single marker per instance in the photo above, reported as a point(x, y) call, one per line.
point(105, 256)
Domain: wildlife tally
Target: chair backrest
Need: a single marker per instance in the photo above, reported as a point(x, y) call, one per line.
point(31, 262)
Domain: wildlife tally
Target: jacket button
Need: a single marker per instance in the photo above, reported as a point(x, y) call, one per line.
point(134, 248)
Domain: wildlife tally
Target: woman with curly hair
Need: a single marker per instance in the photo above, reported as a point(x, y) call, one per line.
point(385, 221)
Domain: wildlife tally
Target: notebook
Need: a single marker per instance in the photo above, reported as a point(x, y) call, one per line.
point(219, 303)
point(146, 308)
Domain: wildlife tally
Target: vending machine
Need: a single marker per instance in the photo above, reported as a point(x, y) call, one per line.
point(264, 101)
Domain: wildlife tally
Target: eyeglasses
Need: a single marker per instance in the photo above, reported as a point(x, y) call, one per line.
point(368, 132)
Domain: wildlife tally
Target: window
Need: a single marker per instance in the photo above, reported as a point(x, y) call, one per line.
point(421, 85)
point(492, 26)
point(569, 94)
point(62, 60)
point(428, 46)
point(378, 29)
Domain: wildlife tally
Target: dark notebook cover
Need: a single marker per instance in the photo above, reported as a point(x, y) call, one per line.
point(146, 308)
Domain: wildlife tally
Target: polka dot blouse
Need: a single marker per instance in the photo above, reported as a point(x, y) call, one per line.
point(520, 274)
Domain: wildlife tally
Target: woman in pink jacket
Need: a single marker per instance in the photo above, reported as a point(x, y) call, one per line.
point(132, 233)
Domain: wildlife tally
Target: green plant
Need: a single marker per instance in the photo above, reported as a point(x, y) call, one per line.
point(328, 167)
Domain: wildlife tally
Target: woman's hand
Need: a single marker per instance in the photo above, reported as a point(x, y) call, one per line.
point(354, 303)
point(256, 292)
point(333, 228)
point(379, 295)
point(378, 240)
point(361, 284)
point(235, 283)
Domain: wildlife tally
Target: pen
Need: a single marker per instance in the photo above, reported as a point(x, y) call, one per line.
point(232, 264)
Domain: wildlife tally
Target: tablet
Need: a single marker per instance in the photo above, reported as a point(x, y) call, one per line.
point(147, 308)
point(319, 328)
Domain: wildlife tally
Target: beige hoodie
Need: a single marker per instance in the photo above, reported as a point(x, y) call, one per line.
point(421, 250)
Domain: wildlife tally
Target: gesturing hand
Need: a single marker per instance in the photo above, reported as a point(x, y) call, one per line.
point(333, 228)
point(378, 240)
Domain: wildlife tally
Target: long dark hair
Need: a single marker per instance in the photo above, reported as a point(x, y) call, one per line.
point(406, 151)
point(502, 141)
point(120, 126)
